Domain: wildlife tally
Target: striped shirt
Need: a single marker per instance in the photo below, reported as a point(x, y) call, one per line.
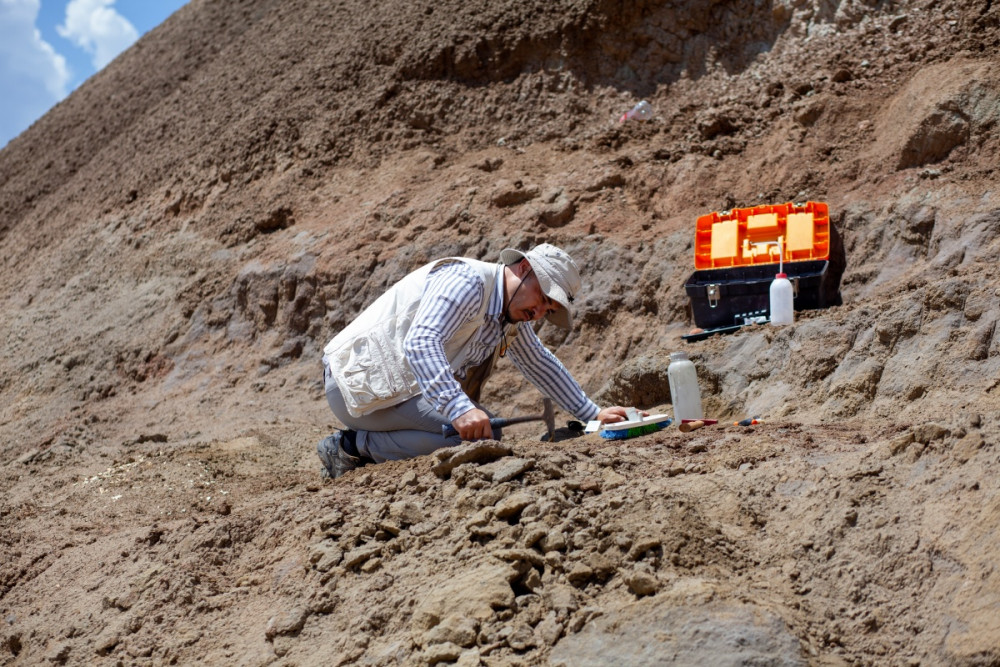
point(453, 295)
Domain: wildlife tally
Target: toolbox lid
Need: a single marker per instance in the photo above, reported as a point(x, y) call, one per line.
point(749, 236)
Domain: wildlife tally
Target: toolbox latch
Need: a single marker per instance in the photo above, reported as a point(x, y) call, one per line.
point(795, 287)
point(712, 292)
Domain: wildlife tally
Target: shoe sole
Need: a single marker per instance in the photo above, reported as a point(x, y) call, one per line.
point(327, 454)
point(336, 461)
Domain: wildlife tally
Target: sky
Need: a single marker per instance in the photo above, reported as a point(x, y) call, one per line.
point(49, 47)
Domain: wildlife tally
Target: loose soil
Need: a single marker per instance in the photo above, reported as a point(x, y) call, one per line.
point(183, 234)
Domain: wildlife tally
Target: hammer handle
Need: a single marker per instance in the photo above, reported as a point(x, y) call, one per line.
point(447, 430)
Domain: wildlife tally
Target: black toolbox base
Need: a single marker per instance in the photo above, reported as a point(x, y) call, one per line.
point(732, 297)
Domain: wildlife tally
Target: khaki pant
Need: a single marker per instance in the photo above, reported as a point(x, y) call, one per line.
point(408, 429)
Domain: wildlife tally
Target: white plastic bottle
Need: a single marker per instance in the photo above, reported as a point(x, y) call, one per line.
point(782, 308)
point(684, 391)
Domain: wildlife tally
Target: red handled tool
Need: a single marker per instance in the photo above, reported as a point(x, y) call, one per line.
point(688, 425)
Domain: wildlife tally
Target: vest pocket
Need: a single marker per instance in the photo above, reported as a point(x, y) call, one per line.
point(370, 371)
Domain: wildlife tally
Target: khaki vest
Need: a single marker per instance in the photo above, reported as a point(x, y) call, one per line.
point(367, 359)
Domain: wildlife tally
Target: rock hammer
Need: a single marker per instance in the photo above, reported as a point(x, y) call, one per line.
point(548, 416)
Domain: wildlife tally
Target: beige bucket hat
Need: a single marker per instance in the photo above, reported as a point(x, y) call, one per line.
point(558, 276)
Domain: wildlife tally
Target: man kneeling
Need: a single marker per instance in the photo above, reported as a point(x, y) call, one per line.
point(394, 375)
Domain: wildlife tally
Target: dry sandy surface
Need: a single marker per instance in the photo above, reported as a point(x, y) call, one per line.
point(182, 235)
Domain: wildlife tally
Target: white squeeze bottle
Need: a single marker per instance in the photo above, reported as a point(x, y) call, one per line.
point(684, 392)
point(782, 309)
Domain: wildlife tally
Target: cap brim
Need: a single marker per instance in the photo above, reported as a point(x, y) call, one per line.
point(562, 317)
point(510, 256)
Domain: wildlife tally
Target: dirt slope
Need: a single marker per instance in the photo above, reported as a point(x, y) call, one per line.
point(182, 235)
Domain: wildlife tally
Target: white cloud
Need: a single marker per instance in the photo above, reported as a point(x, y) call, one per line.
point(33, 76)
point(98, 29)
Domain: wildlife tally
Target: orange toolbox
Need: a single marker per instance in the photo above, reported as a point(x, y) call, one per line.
point(737, 253)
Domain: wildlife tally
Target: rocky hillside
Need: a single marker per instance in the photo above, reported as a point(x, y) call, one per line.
point(182, 235)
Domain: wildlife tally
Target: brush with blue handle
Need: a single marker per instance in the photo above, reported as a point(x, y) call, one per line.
point(634, 426)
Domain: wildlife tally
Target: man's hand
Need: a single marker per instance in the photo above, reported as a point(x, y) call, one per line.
point(473, 425)
point(615, 414)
